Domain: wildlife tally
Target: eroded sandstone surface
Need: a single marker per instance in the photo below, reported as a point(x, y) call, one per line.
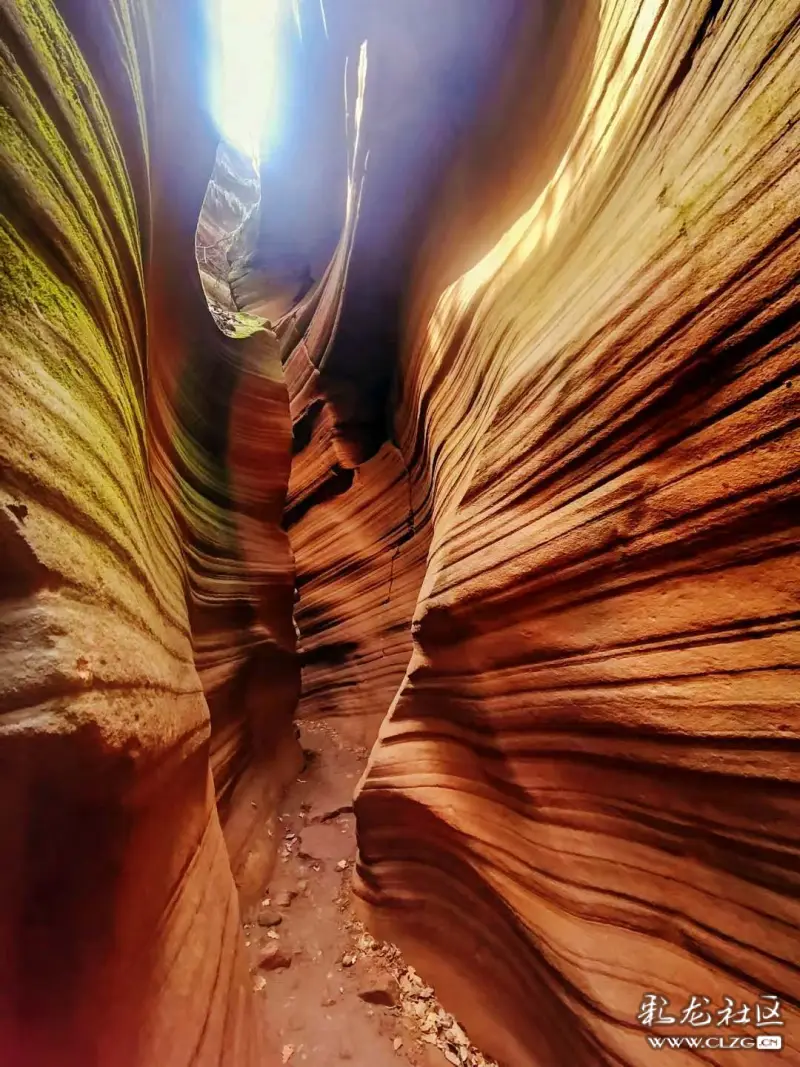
point(543, 554)
point(586, 787)
point(134, 578)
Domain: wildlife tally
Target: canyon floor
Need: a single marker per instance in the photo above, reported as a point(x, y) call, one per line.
point(332, 993)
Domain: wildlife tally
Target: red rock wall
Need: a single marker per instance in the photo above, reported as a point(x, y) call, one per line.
point(144, 577)
point(350, 515)
point(360, 559)
point(358, 524)
point(587, 786)
point(359, 536)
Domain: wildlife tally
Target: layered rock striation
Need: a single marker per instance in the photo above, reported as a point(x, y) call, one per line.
point(554, 569)
point(586, 788)
point(146, 584)
point(357, 521)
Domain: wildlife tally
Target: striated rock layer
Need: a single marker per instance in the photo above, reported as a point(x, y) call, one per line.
point(146, 586)
point(580, 551)
point(359, 559)
point(358, 525)
point(586, 788)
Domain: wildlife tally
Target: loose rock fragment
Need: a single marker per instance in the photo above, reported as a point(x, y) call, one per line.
point(456, 1035)
point(274, 958)
point(424, 1017)
point(269, 917)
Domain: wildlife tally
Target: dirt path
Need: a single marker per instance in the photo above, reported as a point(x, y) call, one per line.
point(332, 992)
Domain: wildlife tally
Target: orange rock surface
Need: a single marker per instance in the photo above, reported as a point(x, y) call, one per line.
point(551, 564)
point(586, 788)
point(145, 578)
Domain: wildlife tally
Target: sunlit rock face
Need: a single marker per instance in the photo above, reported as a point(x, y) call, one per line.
point(587, 785)
point(234, 406)
point(560, 553)
point(145, 578)
point(357, 524)
point(227, 230)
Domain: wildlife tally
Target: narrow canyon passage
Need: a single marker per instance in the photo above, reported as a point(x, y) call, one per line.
point(399, 568)
point(331, 991)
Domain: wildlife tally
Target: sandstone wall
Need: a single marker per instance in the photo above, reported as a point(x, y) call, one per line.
point(357, 522)
point(581, 550)
point(143, 464)
point(360, 560)
point(587, 785)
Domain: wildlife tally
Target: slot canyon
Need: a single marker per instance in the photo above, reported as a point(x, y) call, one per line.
point(399, 570)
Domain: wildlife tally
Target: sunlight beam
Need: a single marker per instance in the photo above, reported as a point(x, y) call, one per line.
point(245, 52)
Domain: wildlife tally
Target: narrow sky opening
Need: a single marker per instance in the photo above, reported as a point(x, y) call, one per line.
point(244, 80)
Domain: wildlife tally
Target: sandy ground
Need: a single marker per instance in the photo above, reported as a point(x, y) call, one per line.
point(332, 993)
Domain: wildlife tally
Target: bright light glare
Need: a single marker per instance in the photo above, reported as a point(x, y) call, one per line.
point(244, 48)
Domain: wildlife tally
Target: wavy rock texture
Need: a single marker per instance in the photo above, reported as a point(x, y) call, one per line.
point(357, 523)
point(233, 457)
point(360, 562)
point(349, 512)
point(145, 579)
point(587, 785)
